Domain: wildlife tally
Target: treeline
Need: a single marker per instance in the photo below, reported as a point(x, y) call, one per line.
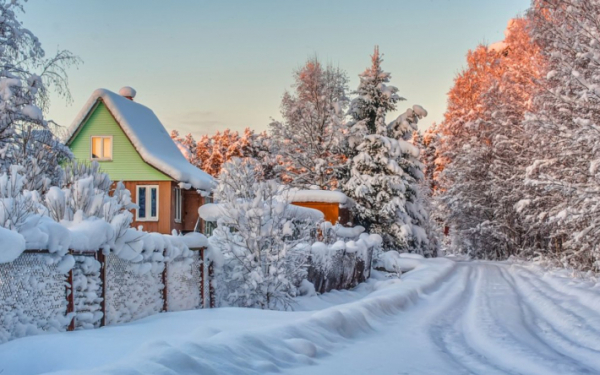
point(333, 139)
point(515, 170)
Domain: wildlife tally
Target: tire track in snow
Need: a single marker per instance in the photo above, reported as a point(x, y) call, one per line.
point(559, 326)
point(576, 310)
point(497, 330)
point(448, 334)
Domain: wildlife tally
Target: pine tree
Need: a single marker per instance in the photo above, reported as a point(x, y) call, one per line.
point(384, 169)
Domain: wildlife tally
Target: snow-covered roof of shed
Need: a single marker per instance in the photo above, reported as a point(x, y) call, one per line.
point(321, 196)
point(215, 211)
point(148, 136)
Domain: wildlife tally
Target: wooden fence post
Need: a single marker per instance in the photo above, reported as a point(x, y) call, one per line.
point(165, 293)
point(70, 290)
point(202, 283)
point(211, 287)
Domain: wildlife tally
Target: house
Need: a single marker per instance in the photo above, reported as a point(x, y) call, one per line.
point(132, 146)
point(333, 204)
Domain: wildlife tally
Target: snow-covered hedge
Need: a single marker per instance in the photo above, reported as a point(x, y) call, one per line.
point(344, 258)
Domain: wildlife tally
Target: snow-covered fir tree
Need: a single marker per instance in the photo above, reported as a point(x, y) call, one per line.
point(312, 132)
point(384, 169)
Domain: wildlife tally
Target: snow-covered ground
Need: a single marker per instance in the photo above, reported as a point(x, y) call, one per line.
point(443, 317)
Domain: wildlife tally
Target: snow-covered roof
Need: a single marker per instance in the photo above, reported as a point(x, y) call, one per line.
point(148, 136)
point(215, 211)
point(322, 196)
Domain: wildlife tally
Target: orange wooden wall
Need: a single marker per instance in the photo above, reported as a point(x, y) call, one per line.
point(330, 210)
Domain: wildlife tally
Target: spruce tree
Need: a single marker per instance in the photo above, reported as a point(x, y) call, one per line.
point(384, 169)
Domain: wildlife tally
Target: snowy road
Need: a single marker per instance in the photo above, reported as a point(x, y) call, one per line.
point(441, 318)
point(484, 318)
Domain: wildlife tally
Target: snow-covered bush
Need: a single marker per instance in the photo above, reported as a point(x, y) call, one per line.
point(263, 241)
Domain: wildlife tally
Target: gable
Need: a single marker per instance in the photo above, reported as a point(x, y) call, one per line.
point(127, 164)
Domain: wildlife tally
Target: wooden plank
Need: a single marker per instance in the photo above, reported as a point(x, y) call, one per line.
point(70, 291)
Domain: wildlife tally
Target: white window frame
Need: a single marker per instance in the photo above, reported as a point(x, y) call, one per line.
point(178, 204)
point(149, 216)
point(103, 138)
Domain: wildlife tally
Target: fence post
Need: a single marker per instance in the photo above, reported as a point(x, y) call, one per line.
point(202, 284)
point(70, 291)
point(211, 287)
point(165, 293)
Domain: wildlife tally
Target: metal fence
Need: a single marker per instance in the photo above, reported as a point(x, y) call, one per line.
point(99, 290)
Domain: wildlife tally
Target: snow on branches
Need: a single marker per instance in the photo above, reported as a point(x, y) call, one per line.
point(384, 169)
point(264, 242)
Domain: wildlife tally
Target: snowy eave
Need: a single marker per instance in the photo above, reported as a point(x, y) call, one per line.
point(321, 196)
point(148, 136)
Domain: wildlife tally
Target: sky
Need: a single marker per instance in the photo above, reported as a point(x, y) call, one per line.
point(204, 66)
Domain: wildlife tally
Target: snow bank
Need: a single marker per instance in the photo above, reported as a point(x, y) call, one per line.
point(202, 341)
point(12, 244)
point(393, 261)
point(148, 136)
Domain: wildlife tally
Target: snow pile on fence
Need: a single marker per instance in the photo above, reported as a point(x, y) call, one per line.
point(87, 286)
point(33, 298)
point(343, 262)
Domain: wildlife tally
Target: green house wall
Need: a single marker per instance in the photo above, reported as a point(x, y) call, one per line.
point(127, 164)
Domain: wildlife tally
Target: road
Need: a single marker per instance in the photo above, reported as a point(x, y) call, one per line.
point(484, 318)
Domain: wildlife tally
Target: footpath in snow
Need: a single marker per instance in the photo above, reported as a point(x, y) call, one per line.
point(443, 317)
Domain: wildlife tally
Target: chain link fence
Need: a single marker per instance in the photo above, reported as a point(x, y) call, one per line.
point(99, 290)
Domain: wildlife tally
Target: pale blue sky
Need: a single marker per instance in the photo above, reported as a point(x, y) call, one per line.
point(208, 65)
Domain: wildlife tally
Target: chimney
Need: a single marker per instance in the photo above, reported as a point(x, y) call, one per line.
point(127, 92)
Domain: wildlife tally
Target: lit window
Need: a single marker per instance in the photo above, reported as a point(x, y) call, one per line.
point(147, 201)
point(178, 205)
point(102, 148)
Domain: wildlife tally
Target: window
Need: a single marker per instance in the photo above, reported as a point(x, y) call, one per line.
point(147, 201)
point(209, 226)
point(102, 148)
point(178, 205)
